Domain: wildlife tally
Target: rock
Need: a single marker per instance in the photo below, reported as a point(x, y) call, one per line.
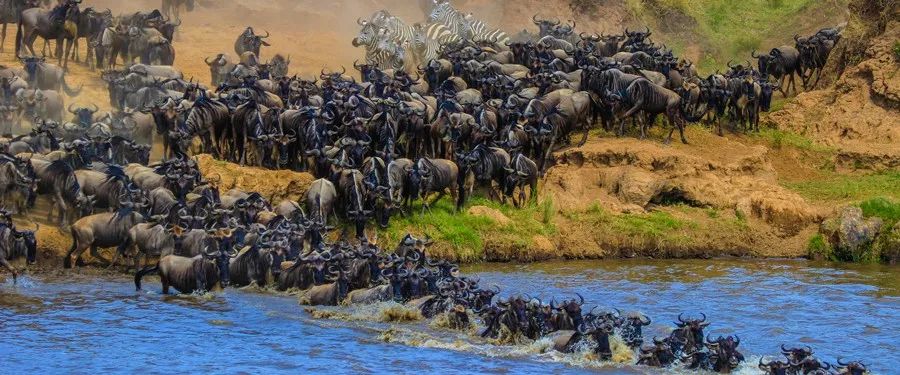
point(637, 186)
point(890, 245)
point(490, 213)
point(850, 234)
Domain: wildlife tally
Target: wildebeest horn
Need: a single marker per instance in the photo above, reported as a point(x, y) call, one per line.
point(704, 317)
point(95, 108)
point(753, 54)
point(646, 319)
point(580, 298)
point(206, 59)
point(535, 20)
point(267, 34)
point(70, 108)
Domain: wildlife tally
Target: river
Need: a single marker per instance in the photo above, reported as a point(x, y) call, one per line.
point(74, 323)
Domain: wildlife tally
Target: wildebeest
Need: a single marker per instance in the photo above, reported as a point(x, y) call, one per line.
point(57, 24)
point(642, 95)
point(328, 294)
point(58, 179)
point(436, 175)
point(781, 63)
point(43, 104)
point(106, 229)
point(220, 68)
point(520, 173)
point(186, 275)
point(255, 265)
point(45, 76)
point(16, 244)
point(248, 41)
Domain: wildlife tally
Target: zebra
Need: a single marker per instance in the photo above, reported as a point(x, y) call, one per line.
point(425, 49)
point(445, 14)
point(466, 26)
point(438, 32)
point(381, 50)
point(397, 30)
point(481, 32)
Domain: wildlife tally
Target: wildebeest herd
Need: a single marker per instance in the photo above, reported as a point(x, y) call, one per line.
point(439, 108)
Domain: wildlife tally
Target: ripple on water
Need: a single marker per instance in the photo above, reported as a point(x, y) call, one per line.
point(838, 311)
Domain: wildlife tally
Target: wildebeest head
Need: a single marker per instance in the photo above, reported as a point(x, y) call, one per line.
point(690, 332)
point(26, 238)
point(32, 65)
point(84, 116)
point(774, 367)
point(851, 368)
point(545, 26)
point(725, 356)
point(252, 42)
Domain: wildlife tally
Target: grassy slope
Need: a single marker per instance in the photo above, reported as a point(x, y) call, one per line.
point(732, 29)
point(665, 231)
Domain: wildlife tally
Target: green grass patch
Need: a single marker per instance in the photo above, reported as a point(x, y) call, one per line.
point(850, 188)
point(463, 235)
point(779, 139)
point(729, 29)
point(652, 225)
point(883, 208)
point(819, 249)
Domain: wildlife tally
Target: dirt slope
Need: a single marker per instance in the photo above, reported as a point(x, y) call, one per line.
point(860, 113)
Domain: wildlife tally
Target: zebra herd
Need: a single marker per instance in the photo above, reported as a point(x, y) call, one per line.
point(390, 43)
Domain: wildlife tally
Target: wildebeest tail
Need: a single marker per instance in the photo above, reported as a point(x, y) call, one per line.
point(140, 274)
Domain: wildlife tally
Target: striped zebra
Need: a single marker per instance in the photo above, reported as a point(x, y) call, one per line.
point(381, 50)
point(447, 15)
point(397, 30)
point(430, 40)
point(481, 32)
point(465, 26)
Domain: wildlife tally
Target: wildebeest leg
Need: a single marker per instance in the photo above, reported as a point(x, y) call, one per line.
point(60, 57)
point(29, 42)
point(95, 252)
point(5, 263)
point(781, 87)
point(3, 37)
point(165, 283)
point(120, 251)
point(546, 156)
point(818, 75)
